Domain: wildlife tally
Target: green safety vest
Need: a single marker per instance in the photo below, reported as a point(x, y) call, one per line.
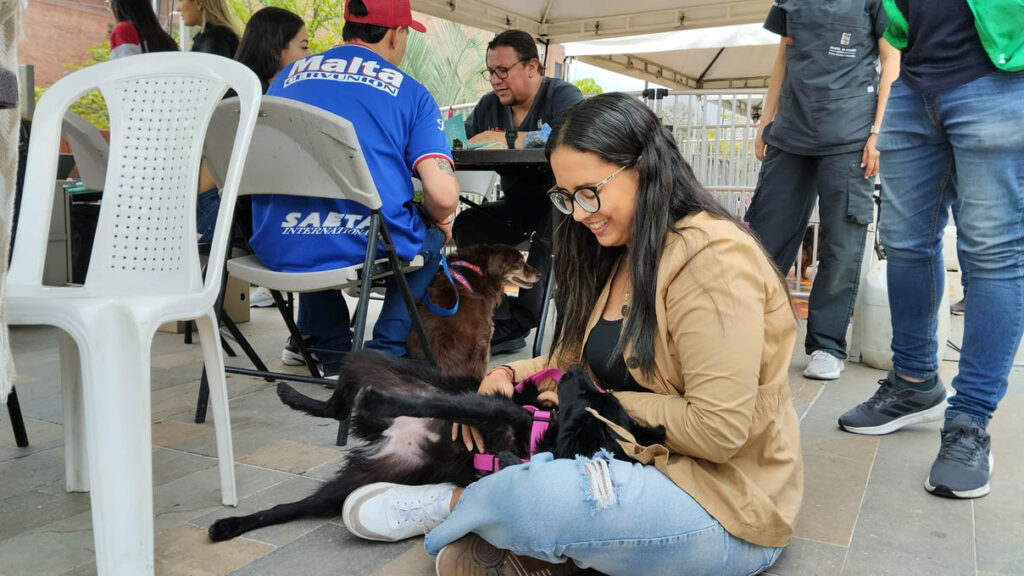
point(1000, 25)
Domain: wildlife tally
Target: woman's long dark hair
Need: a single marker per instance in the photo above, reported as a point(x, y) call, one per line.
point(139, 13)
point(621, 130)
point(266, 35)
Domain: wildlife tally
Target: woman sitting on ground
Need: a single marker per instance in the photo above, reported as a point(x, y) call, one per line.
point(219, 35)
point(675, 308)
point(137, 30)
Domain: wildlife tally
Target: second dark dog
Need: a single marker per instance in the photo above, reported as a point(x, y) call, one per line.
point(462, 342)
point(404, 410)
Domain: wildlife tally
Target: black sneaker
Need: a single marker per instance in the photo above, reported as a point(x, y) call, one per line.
point(330, 372)
point(291, 356)
point(964, 463)
point(892, 408)
point(508, 337)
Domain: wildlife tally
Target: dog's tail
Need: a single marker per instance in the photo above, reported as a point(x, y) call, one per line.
point(468, 408)
point(295, 399)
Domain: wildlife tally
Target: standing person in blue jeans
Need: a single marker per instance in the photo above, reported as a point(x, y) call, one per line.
point(399, 128)
point(675, 308)
point(817, 139)
point(953, 131)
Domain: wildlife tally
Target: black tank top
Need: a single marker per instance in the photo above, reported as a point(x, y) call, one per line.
point(609, 368)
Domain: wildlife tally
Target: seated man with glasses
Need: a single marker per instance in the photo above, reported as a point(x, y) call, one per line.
point(530, 104)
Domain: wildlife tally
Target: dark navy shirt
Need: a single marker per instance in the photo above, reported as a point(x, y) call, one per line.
point(554, 98)
point(943, 49)
point(830, 90)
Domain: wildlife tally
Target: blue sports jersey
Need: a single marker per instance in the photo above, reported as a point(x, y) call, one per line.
point(398, 125)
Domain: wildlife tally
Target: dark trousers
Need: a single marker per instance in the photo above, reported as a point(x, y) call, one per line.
point(512, 221)
point(783, 201)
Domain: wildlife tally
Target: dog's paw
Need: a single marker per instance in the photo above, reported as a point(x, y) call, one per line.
point(371, 401)
point(225, 529)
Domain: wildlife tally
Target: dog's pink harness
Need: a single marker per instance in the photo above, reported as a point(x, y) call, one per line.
point(486, 462)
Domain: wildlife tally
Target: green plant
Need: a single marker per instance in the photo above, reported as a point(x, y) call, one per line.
point(323, 17)
point(588, 86)
point(447, 60)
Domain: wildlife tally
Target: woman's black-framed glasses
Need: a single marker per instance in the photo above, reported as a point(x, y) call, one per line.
point(501, 71)
point(585, 196)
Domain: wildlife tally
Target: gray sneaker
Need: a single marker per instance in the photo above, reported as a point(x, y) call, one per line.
point(892, 408)
point(964, 463)
point(957, 308)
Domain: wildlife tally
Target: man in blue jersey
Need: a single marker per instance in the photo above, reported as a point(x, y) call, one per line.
point(400, 132)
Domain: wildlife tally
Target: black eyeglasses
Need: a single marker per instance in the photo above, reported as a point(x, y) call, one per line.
point(585, 196)
point(501, 71)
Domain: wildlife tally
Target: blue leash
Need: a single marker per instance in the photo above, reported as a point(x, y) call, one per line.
point(434, 307)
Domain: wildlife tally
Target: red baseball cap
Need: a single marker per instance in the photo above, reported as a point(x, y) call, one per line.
point(386, 13)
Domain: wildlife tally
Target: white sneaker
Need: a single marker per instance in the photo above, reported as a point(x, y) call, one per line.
point(392, 512)
point(824, 366)
point(260, 298)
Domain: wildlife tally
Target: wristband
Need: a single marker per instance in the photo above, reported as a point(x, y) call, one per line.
point(446, 221)
point(504, 368)
point(875, 129)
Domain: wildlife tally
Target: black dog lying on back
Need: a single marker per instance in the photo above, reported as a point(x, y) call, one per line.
point(404, 410)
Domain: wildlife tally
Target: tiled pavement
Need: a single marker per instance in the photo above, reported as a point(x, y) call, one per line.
point(865, 510)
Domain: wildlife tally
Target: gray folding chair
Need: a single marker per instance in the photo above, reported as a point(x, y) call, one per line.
point(89, 149)
point(302, 150)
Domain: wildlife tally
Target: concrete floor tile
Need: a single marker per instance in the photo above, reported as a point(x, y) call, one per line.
point(191, 356)
point(42, 436)
point(169, 465)
point(198, 494)
point(999, 517)
point(49, 550)
point(902, 529)
point(186, 551)
point(803, 557)
point(30, 510)
point(329, 551)
point(290, 490)
point(29, 473)
point(414, 562)
point(836, 471)
point(171, 433)
point(289, 456)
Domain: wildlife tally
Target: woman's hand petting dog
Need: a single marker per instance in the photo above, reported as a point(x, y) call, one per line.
point(495, 383)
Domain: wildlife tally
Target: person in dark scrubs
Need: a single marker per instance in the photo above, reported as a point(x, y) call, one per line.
point(816, 139)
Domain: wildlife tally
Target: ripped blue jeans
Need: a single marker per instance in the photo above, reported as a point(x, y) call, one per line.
point(613, 516)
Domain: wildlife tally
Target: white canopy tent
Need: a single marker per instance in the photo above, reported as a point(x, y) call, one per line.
point(693, 62)
point(560, 21)
point(739, 56)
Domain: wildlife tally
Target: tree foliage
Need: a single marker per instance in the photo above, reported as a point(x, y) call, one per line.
point(588, 86)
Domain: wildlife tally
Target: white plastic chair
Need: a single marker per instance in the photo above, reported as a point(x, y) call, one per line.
point(144, 271)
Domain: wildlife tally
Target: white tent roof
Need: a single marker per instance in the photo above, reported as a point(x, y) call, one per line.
point(596, 21)
point(724, 57)
point(561, 21)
